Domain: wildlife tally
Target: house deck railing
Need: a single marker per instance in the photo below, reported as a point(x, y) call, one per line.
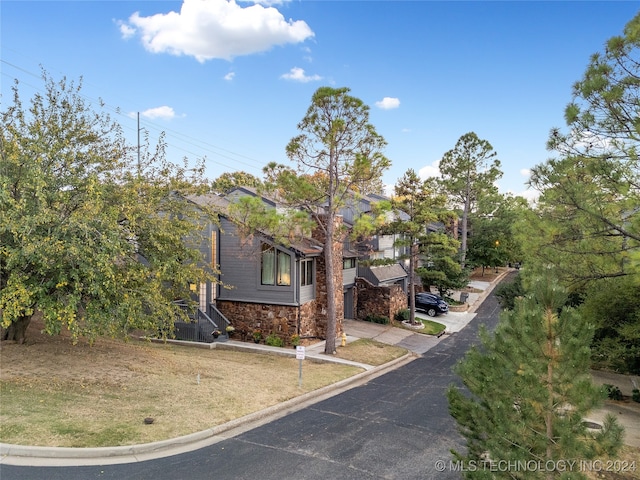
point(199, 328)
point(218, 317)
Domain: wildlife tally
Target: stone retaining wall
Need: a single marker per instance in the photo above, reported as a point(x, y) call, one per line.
point(383, 301)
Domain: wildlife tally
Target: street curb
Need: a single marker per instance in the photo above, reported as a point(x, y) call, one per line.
point(485, 293)
point(7, 451)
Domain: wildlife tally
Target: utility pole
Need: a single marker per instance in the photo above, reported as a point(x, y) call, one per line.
point(138, 145)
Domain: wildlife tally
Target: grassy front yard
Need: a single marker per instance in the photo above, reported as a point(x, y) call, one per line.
point(55, 394)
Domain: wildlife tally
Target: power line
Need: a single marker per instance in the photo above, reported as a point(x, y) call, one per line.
point(190, 141)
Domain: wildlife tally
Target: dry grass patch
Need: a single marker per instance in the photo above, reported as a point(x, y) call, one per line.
point(626, 466)
point(55, 394)
point(365, 350)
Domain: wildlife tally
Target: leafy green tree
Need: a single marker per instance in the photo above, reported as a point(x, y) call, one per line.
point(227, 181)
point(469, 172)
point(613, 306)
point(441, 268)
point(89, 238)
point(336, 150)
point(529, 389)
point(493, 241)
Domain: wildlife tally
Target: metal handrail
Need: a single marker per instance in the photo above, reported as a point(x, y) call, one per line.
point(218, 315)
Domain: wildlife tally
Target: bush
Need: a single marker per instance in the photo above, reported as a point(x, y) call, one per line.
point(508, 292)
point(377, 319)
point(635, 395)
point(402, 315)
point(274, 341)
point(613, 392)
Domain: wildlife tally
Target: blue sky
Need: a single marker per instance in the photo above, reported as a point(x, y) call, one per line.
point(230, 81)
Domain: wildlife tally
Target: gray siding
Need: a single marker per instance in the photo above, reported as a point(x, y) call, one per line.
point(240, 267)
point(349, 303)
point(307, 293)
point(349, 276)
point(385, 243)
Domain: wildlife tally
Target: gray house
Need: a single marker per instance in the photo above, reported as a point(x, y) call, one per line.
point(263, 285)
point(377, 247)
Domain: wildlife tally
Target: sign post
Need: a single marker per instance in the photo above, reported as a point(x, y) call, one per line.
point(300, 357)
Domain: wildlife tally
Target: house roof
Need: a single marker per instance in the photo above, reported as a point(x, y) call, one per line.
point(304, 246)
point(348, 253)
point(243, 190)
point(387, 273)
point(218, 203)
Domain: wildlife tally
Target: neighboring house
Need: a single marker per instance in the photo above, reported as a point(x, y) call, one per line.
point(378, 247)
point(349, 275)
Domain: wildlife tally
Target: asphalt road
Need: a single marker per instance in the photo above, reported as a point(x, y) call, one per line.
point(396, 426)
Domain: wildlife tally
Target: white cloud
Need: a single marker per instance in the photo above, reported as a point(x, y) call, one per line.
point(126, 30)
point(428, 171)
point(164, 113)
point(530, 194)
point(297, 74)
point(525, 172)
point(270, 2)
point(207, 29)
point(229, 76)
point(388, 103)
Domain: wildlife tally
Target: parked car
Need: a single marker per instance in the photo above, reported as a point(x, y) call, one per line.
point(431, 303)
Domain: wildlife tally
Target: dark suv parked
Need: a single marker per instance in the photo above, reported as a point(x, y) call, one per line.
point(432, 304)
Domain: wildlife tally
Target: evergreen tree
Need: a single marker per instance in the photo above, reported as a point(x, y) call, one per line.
point(229, 180)
point(589, 210)
point(469, 172)
point(414, 206)
point(530, 390)
point(336, 152)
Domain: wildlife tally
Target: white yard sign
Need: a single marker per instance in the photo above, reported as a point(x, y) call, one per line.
point(300, 352)
point(300, 357)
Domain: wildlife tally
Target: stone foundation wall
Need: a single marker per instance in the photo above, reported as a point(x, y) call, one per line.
point(280, 320)
point(381, 301)
point(308, 320)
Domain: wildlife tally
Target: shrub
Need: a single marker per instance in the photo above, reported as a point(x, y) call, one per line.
point(508, 292)
point(635, 395)
point(377, 319)
point(402, 315)
point(613, 392)
point(274, 341)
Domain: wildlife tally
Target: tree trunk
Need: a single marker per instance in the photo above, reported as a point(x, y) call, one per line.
point(17, 331)
point(465, 220)
point(412, 288)
point(330, 344)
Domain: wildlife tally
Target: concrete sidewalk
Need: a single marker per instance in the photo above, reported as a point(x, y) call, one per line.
point(418, 343)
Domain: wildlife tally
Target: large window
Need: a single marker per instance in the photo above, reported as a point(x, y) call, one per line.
point(348, 263)
point(306, 272)
point(276, 266)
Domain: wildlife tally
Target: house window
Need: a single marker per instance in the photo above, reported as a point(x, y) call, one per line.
point(306, 272)
point(276, 266)
point(348, 263)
